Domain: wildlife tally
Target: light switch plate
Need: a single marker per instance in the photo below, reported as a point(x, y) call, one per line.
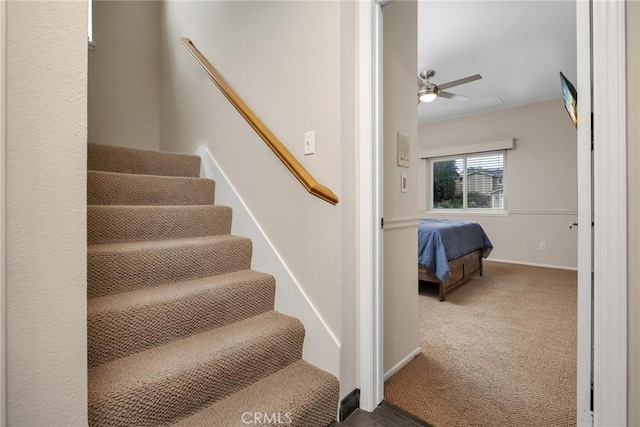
point(309, 143)
point(403, 183)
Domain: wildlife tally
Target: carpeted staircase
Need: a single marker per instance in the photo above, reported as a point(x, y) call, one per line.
point(180, 329)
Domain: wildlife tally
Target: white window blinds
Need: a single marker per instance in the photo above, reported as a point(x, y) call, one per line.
point(473, 181)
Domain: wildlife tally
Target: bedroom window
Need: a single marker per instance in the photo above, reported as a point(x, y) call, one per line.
point(472, 181)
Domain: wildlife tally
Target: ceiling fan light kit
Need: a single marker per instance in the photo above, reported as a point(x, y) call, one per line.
point(427, 96)
point(428, 92)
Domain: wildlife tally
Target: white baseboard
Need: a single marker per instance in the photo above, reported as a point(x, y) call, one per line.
point(409, 357)
point(531, 264)
point(321, 346)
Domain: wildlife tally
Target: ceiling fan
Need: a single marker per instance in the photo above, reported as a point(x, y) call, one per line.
point(428, 91)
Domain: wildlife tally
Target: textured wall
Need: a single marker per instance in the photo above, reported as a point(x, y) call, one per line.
point(124, 74)
point(633, 191)
point(400, 244)
point(285, 60)
point(541, 180)
point(46, 213)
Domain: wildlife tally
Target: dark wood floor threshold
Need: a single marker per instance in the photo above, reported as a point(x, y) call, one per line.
point(385, 415)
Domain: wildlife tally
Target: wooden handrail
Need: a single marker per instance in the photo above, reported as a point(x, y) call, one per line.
point(261, 129)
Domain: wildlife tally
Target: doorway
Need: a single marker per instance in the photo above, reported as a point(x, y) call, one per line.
point(610, 376)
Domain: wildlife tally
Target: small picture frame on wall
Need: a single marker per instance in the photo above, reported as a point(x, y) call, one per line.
point(403, 150)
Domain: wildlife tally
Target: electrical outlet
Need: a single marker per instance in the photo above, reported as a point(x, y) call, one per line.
point(543, 246)
point(309, 143)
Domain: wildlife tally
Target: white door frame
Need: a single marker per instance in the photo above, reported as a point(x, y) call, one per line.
point(610, 229)
point(369, 190)
point(610, 213)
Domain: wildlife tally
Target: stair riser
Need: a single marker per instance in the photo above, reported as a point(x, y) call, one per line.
point(129, 160)
point(117, 224)
point(113, 335)
point(113, 272)
point(122, 189)
point(171, 398)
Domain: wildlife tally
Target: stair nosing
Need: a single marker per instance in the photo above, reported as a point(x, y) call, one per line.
point(160, 294)
point(167, 207)
point(167, 177)
point(164, 244)
point(145, 150)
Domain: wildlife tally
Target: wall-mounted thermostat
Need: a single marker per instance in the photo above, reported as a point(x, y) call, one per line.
point(403, 150)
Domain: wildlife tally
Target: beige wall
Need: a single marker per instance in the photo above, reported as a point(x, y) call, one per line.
point(285, 59)
point(400, 241)
point(540, 180)
point(46, 213)
point(124, 74)
point(633, 192)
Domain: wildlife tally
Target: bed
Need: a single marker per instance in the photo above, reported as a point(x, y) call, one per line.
point(450, 252)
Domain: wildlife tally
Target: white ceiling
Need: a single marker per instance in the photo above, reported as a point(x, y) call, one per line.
point(517, 46)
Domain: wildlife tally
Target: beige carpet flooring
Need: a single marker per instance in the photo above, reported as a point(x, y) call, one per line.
point(500, 351)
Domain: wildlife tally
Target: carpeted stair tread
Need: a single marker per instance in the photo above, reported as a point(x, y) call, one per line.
point(113, 188)
point(125, 323)
point(120, 267)
point(125, 223)
point(298, 395)
point(156, 386)
point(110, 158)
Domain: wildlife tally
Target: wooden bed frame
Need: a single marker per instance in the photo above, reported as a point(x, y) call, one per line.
point(460, 270)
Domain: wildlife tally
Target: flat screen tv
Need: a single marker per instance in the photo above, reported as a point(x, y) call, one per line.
point(570, 97)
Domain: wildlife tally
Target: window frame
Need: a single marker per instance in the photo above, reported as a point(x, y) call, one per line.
point(465, 208)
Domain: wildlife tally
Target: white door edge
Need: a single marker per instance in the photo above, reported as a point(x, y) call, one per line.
point(585, 246)
point(610, 213)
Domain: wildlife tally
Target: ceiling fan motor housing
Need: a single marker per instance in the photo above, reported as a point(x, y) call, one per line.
point(426, 75)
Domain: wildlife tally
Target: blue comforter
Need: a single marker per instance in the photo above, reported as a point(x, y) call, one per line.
point(441, 240)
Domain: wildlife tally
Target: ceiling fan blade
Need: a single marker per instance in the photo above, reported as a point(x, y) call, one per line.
point(450, 95)
point(460, 81)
